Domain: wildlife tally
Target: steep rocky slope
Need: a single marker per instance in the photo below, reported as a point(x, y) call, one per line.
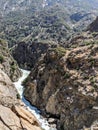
point(7, 63)
point(93, 26)
point(13, 114)
point(27, 54)
point(46, 25)
point(42, 20)
point(65, 82)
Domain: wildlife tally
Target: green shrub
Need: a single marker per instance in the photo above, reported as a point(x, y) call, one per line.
point(67, 75)
point(13, 67)
point(1, 59)
point(92, 79)
point(60, 51)
point(95, 86)
point(17, 96)
point(25, 81)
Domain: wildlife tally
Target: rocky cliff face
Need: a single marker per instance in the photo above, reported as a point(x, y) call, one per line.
point(64, 84)
point(93, 26)
point(42, 20)
point(7, 63)
point(13, 114)
point(27, 54)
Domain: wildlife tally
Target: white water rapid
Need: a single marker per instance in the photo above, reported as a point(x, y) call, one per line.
point(33, 110)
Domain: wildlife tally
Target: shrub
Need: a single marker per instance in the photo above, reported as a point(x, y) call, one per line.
point(92, 79)
point(1, 59)
point(60, 51)
point(13, 66)
point(67, 75)
point(18, 96)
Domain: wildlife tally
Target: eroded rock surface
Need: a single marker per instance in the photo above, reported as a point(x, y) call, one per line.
point(27, 54)
point(13, 114)
point(64, 84)
point(7, 63)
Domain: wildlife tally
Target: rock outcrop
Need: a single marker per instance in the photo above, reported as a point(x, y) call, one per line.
point(13, 114)
point(93, 26)
point(27, 54)
point(64, 83)
point(7, 63)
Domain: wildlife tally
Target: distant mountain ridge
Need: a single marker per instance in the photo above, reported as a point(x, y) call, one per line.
point(7, 6)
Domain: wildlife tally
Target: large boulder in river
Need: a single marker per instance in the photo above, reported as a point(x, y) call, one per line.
point(64, 83)
point(13, 114)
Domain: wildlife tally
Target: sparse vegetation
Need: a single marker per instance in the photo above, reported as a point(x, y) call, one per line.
point(18, 96)
point(1, 59)
point(67, 75)
point(92, 80)
point(60, 51)
point(25, 81)
point(63, 81)
point(13, 67)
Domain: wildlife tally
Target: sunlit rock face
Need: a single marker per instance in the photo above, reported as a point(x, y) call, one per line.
point(13, 114)
point(65, 82)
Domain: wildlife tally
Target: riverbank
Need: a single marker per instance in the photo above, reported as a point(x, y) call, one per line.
point(43, 122)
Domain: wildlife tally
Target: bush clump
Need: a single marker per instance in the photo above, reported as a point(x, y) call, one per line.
point(17, 96)
point(60, 51)
point(1, 59)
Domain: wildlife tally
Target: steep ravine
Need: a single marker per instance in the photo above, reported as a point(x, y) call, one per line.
point(13, 113)
point(67, 86)
point(43, 122)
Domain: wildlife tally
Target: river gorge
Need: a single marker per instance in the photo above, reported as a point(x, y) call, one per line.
point(20, 88)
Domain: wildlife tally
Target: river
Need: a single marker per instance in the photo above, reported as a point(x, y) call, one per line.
point(33, 110)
